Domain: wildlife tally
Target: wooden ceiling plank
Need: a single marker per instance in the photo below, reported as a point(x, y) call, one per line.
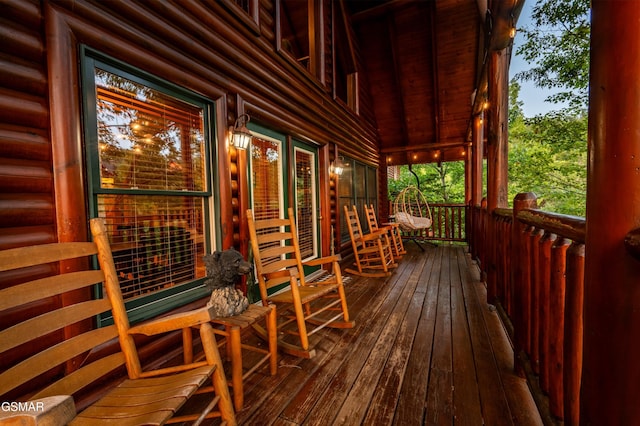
point(397, 76)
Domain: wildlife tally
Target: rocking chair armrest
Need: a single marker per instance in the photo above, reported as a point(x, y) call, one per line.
point(391, 224)
point(323, 260)
point(281, 273)
point(371, 236)
point(173, 322)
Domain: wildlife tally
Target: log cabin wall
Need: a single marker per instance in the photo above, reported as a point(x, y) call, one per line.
point(211, 49)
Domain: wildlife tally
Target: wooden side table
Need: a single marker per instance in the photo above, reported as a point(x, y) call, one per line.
point(232, 328)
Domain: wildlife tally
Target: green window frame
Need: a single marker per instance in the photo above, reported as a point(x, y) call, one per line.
point(148, 147)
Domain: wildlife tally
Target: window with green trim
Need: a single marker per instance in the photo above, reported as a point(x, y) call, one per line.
point(147, 148)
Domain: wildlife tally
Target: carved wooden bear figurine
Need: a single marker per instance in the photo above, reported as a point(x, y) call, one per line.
point(224, 269)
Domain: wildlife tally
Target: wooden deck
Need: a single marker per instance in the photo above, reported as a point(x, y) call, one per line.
point(426, 349)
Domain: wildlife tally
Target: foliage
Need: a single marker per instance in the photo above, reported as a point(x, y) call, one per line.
point(440, 182)
point(548, 156)
point(558, 45)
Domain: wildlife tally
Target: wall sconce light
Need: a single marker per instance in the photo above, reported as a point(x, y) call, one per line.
point(512, 31)
point(337, 166)
point(240, 135)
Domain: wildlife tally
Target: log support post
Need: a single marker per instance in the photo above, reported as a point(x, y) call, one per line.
point(497, 148)
point(611, 371)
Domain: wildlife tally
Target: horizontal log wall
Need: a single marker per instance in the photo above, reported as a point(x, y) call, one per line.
point(27, 208)
point(204, 47)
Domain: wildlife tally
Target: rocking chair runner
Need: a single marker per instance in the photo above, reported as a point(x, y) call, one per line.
point(372, 253)
point(276, 252)
point(392, 231)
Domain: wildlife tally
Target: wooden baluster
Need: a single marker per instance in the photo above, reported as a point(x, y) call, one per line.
point(508, 226)
point(447, 222)
point(544, 265)
point(499, 283)
point(503, 260)
point(573, 333)
point(484, 246)
point(526, 289)
point(556, 325)
point(490, 268)
point(534, 239)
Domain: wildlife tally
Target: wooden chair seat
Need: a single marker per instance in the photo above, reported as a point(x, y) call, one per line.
point(145, 401)
point(307, 293)
point(304, 307)
point(54, 284)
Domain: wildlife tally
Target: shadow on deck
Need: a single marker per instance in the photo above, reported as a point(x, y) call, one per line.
point(426, 349)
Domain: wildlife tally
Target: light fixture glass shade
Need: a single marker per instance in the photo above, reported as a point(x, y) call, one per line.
point(337, 167)
point(241, 135)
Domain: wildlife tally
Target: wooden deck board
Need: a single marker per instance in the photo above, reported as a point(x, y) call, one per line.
point(426, 349)
point(467, 408)
point(410, 408)
point(440, 389)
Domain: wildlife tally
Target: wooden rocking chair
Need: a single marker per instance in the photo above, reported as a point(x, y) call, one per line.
point(150, 397)
point(372, 253)
point(391, 230)
point(299, 302)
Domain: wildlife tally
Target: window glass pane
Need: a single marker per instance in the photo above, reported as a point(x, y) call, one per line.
point(266, 164)
point(157, 241)
point(266, 178)
point(345, 193)
point(244, 5)
point(294, 29)
point(372, 187)
point(147, 139)
point(305, 202)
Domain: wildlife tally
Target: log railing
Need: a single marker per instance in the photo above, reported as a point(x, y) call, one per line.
point(534, 266)
point(449, 223)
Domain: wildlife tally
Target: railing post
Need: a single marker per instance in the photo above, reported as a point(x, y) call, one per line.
point(519, 267)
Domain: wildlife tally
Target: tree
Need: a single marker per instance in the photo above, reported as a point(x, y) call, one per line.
point(440, 182)
point(515, 104)
point(558, 45)
point(548, 156)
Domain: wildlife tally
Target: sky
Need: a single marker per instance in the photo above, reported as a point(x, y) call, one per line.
point(532, 97)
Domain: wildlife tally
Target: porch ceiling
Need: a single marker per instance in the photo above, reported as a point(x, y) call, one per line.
point(422, 62)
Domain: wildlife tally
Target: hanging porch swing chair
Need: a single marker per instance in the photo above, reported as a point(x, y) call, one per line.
point(412, 213)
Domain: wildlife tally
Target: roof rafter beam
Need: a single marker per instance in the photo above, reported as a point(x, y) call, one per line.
point(425, 147)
